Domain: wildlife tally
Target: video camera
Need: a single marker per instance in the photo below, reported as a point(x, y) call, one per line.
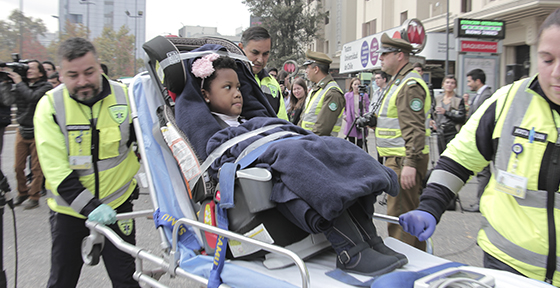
point(18, 66)
point(369, 119)
point(362, 89)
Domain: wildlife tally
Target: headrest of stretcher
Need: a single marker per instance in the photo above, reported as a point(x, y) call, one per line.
point(192, 114)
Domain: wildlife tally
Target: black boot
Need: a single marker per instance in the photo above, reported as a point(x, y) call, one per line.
point(355, 255)
point(369, 233)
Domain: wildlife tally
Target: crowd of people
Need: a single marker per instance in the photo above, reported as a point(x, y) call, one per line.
point(89, 113)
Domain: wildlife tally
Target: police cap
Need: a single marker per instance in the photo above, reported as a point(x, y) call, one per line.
point(317, 57)
point(389, 44)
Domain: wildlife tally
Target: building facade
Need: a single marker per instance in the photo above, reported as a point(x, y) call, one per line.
point(98, 14)
point(517, 58)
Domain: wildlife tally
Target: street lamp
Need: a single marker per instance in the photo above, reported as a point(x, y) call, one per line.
point(86, 2)
point(59, 28)
point(140, 14)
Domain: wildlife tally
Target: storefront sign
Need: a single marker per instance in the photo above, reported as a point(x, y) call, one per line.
point(479, 46)
point(480, 28)
point(362, 54)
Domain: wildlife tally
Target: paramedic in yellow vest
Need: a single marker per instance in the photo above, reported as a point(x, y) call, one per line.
point(84, 140)
point(325, 103)
point(518, 130)
point(256, 44)
point(401, 130)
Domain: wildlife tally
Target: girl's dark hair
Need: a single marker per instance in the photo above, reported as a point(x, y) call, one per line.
point(294, 102)
point(552, 19)
point(223, 62)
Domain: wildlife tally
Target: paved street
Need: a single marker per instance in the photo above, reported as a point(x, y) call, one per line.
point(454, 239)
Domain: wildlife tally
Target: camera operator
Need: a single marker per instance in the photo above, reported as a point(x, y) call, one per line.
point(357, 104)
point(26, 94)
point(6, 102)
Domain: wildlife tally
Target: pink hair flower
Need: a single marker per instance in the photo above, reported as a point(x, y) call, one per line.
point(202, 67)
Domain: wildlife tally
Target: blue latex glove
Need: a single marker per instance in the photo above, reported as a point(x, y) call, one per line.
point(103, 214)
point(418, 223)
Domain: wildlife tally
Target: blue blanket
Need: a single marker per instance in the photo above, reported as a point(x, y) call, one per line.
point(315, 178)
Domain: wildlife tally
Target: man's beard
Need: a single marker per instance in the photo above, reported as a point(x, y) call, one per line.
point(83, 96)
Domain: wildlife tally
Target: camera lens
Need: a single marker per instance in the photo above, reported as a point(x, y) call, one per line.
point(281, 82)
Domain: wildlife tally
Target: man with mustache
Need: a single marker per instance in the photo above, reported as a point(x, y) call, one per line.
point(84, 132)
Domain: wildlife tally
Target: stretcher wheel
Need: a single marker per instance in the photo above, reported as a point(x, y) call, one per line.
point(92, 258)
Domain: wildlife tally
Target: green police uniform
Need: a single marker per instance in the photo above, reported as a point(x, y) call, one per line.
point(402, 135)
point(325, 103)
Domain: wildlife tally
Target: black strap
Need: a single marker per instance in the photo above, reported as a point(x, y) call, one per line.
point(551, 187)
point(551, 259)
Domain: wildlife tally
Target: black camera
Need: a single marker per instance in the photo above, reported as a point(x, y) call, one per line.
point(281, 82)
point(369, 119)
point(362, 89)
point(18, 66)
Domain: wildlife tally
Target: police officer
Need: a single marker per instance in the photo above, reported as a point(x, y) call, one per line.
point(256, 43)
point(325, 103)
point(83, 131)
point(401, 130)
point(517, 128)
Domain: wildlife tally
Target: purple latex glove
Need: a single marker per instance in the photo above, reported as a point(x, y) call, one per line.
point(418, 223)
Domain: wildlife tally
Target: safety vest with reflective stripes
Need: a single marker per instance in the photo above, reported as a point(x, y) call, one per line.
point(269, 86)
point(116, 164)
point(515, 230)
point(314, 105)
point(388, 131)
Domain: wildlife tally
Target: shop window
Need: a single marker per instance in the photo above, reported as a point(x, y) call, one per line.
point(404, 16)
point(369, 28)
point(466, 6)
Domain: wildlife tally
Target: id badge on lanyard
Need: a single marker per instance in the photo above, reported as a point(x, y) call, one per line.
point(512, 183)
point(80, 162)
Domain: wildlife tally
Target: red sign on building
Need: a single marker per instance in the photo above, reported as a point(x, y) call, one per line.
point(479, 46)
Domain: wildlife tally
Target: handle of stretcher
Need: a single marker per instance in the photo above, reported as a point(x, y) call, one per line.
point(386, 218)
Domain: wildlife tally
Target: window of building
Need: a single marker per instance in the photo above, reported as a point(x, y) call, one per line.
point(327, 47)
point(76, 18)
point(466, 6)
point(404, 16)
point(327, 17)
point(369, 28)
point(108, 13)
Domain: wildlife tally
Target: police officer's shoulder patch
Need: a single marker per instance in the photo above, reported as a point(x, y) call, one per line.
point(333, 106)
point(411, 82)
point(416, 104)
point(118, 112)
point(397, 82)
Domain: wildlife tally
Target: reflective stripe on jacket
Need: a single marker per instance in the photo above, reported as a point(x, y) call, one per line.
point(388, 131)
point(515, 230)
point(314, 105)
point(108, 121)
point(271, 90)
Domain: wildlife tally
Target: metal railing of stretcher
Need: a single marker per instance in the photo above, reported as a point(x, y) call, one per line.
point(169, 263)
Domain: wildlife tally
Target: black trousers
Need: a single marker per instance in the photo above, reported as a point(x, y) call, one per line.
point(66, 261)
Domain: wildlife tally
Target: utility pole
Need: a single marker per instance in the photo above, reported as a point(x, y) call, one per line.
point(139, 15)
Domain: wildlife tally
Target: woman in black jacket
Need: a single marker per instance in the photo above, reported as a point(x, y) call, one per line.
point(449, 113)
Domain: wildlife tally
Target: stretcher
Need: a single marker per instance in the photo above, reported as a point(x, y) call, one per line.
point(171, 183)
